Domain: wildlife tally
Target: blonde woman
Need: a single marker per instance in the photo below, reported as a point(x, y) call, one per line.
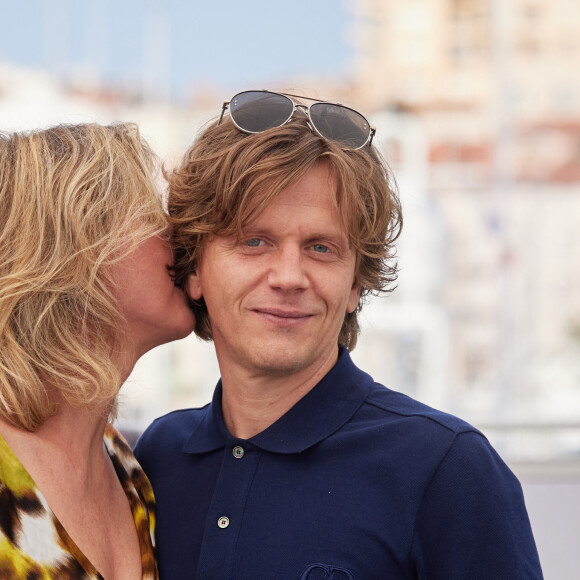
point(85, 290)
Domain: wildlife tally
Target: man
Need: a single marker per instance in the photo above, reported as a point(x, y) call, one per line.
point(302, 467)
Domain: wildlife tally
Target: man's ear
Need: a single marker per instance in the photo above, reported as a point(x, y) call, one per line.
point(353, 299)
point(193, 287)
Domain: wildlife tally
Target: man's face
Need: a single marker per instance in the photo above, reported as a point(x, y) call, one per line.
point(277, 298)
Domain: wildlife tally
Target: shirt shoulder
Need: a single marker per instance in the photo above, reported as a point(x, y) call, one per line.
point(398, 406)
point(161, 444)
point(391, 428)
point(173, 428)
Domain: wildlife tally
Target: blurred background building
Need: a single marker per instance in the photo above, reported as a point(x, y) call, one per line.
point(477, 109)
point(488, 105)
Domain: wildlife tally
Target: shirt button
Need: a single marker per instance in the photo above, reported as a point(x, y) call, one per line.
point(223, 522)
point(238, 452)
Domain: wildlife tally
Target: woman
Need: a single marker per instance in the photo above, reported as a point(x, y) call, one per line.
point(85, 290)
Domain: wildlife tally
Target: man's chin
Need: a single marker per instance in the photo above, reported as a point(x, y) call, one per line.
point(282, 361)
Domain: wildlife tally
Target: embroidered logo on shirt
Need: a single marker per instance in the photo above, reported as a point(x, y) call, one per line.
point(326, 572)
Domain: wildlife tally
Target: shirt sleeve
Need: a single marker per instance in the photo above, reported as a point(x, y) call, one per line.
point(472, 521)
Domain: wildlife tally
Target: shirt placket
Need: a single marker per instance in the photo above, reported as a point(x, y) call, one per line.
point(224, 520)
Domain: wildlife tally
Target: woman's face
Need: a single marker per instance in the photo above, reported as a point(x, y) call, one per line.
point(155, 309)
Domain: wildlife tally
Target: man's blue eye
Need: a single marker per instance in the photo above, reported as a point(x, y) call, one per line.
point(320, 248)
point(253, 242)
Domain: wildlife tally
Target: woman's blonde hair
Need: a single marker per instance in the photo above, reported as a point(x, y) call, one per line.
point(227, 178)
point(73, 200)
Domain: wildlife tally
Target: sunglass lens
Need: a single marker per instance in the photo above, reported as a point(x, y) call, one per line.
point(341, 124)
point(256, 111)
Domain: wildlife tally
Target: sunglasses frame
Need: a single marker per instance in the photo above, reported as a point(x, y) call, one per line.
point(305, 109)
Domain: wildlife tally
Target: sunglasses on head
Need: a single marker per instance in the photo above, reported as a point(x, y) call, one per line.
point(257, 111)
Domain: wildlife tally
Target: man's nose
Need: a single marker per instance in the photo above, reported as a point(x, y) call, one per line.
point(287, 270)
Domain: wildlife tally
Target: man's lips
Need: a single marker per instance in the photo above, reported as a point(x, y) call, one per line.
point(282, 316)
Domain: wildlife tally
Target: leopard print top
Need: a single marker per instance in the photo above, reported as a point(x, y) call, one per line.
point(33, 543)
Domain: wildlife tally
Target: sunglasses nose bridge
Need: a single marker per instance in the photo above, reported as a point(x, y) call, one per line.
point(305, 110)
point(302, 109)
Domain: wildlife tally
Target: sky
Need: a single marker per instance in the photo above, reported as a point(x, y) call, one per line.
point(176, 47)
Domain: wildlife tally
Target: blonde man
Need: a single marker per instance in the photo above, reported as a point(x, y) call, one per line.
point(302, 467)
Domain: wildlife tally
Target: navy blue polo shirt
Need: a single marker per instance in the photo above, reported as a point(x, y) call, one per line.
point(355, 481)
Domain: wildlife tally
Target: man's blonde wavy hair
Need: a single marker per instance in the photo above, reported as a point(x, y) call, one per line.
point(73, 200)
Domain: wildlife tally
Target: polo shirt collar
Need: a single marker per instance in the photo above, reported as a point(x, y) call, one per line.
point(321, 412)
